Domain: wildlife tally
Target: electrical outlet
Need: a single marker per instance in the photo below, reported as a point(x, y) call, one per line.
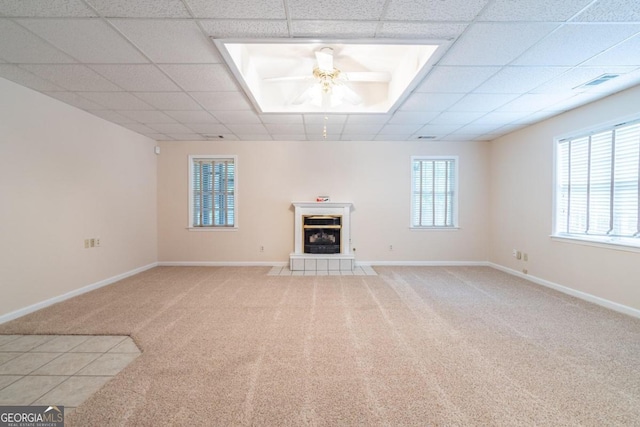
point(92, 243)
point(261, 248)
point(514, 252)
point(519, 255)
point(525, 257)
point(97, 242)
point(525, 271)
point(390, 247)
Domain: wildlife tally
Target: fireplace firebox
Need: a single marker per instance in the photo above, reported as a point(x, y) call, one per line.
point(322, 234)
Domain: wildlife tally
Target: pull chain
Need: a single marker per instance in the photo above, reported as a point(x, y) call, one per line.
point(324, 128)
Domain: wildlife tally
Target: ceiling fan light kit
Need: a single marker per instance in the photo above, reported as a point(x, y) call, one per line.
point(328, 76)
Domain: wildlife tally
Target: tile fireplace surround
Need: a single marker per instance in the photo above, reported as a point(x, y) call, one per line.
point(300, 261)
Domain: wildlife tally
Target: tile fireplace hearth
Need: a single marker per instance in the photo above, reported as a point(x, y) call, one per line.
point(322, 237)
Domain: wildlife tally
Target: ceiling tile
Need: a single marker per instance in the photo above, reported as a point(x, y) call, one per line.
point(320, 118)
point(75, 100)
point(625, 53)
point(434, 10)
point(285, 129)
point(532, 10)
point(533, 102)
point(455, 79)
point(500, 118)
point(47, 8)
point(157, 136)
point(209, 128)
point(519, 79)
point(281, 118)
point(112, 116)
point(569, 81)
point(495, 43)
point(238, 117)
point(87, 40)
point(333, 29)
point(361, 129)
point(169, 100)
point(403, 118)
point(187, 117)
point(359, 10)
point(138, 77)
point(296, 137)
point(140, 8)
point(140, 128)
point(392, 137)
point(20, 46)
point(482, 102)
point(368, 119)
point(222, 101)
point(363, 137)
point(25, 78)
point(147, 116)
point(421, 30)
point(611, 11)
point(438, 129)
point(256, 137)
point(245, 129)
point(318, 129)
point(461, 138)
point(476, 129)
point(186, 137)
point(238, 9)
point(575, 43)
point(245, 28)
point(320, 137)
point(430, 101)
point(170, 128)
point(201, 77)
point(400, 129)
point(117, 100)
point(169, 41)
point(72, 77)
point(455, 118)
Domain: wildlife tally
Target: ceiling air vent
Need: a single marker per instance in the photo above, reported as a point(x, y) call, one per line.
point(214, 137)
point(427, 137)
point(598, 80)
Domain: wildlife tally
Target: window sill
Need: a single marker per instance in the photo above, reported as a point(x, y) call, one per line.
point(598, 243)
point(212, 228)
point(434, 228)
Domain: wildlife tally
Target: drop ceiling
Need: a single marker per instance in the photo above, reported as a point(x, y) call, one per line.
point(152, 65)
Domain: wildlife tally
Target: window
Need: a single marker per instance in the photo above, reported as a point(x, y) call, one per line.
point(434, 192)
point(212, 191)
point(597, 187)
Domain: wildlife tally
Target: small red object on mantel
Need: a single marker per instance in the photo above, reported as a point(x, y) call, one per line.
point(322, 199)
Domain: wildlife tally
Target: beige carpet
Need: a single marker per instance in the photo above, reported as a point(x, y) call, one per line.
point(412, 346)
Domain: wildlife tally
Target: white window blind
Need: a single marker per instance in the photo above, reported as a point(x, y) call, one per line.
point(598, 193)
point(213, 192)
point(434, 192)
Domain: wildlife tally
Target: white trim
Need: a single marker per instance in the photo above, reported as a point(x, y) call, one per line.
point(585, 241)
point(40, 305)
point(218, 228)
point(422, 263)
point(620, 308)
point(222, 264)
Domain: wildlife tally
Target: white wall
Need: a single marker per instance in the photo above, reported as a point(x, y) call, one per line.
point(66, 175)
point(375, 176)
point(521, 208)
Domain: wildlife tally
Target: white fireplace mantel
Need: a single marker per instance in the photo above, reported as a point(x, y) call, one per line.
point(344, 259)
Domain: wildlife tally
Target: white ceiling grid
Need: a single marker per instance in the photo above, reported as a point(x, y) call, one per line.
point(150, 65)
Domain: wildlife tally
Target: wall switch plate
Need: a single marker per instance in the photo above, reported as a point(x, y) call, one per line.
point(92, 242)
point(97, 242)
point(86, 243)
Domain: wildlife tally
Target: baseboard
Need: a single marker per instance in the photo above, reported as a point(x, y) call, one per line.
point(222, 264)
point(422, 263)
point(620, 308)
point(35, 307)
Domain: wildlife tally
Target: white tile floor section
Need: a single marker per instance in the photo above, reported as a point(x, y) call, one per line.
point(364, 270)
point(63, 370)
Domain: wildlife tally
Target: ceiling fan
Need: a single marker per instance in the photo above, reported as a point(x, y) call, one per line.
point(329, 85)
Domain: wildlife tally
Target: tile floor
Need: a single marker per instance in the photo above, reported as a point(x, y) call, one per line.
point(358, 271)
point(61, 370)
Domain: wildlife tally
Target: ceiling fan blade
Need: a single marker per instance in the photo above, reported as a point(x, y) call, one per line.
point(324, 57)
point(305, 96)
point(287, 79)
point(351, 96)
point(368, 76)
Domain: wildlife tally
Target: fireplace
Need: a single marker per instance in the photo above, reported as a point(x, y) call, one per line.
point(322, 234)
point(322, 237)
